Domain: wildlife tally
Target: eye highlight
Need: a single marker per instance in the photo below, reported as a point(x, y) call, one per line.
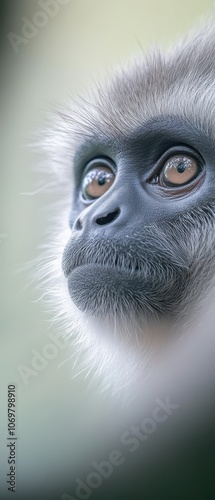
point(97, 179)
point(179, 170)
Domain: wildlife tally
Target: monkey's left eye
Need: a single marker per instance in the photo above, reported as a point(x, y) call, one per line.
point(97, 180)
point(179, 170)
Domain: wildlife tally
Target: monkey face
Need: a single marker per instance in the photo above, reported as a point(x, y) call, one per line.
point(143, 209)
point(136, 240)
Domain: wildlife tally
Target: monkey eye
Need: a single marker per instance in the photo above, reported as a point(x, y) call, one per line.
point(96, 180)
point(179, 170)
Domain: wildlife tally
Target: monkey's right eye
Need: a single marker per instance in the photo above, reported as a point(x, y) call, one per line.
point(97, 179)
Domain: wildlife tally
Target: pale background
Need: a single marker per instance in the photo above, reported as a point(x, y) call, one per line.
point(57, 416)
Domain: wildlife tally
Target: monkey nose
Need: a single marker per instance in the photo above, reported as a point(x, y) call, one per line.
point(100, 221)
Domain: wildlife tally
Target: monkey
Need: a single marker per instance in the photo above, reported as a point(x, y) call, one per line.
point(135, 254)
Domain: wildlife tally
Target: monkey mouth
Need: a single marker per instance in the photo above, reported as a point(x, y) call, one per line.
point(102, 290)
point(110, 278)
point(106, 259)
point(130, 269)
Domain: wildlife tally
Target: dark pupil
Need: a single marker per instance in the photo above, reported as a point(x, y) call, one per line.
point(181, 167)
point(101, 180)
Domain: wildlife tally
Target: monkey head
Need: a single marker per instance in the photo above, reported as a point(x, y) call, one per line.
point(140, 152)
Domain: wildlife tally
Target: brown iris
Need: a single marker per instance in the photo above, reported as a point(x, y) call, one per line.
point(97, 181)
point(179, 170)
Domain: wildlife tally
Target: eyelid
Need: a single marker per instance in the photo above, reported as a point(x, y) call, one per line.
point(99, 161)
point(184, 150)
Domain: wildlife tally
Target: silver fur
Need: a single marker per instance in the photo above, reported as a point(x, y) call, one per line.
point(179, 82)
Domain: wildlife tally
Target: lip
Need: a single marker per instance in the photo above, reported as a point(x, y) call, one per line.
point(85, 266)
point(102, 267)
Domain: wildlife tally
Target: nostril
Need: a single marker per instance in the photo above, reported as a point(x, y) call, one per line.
point(78, 224)
point(108, 218)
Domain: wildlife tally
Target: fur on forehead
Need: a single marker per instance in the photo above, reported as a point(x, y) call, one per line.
point(177, 82)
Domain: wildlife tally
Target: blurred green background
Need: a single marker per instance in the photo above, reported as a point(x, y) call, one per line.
point(57, 415)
